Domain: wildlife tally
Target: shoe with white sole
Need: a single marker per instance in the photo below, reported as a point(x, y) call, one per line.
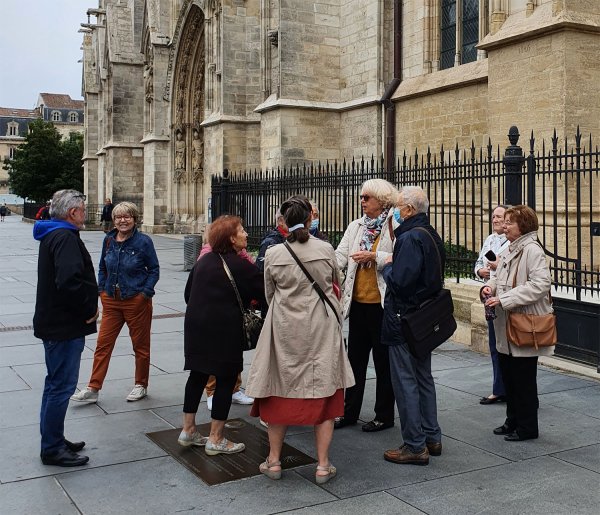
point(212, 449)
point(87, 395)
point(209, 403)
point(263, 423)
point(195, 438)
point(240, 397)
point(138, 392)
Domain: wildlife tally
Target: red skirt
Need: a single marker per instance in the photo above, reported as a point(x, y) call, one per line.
point(299, 412)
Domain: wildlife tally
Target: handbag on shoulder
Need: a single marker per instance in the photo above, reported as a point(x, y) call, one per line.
point(252, 320)
point(526, 330)
point(432, 323)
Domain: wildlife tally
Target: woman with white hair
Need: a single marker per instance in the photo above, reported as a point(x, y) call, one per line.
point(364, 248)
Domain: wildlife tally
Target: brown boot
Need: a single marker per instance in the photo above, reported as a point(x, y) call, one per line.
point(434, 448)
point(404, 456)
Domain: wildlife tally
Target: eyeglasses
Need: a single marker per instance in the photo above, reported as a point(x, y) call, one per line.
point(125, 218)
point(366, 198)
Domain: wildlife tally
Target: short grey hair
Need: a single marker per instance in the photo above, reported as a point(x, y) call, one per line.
point(385, 193)
point(126, 208)
point(63, 201)
point(416, 197)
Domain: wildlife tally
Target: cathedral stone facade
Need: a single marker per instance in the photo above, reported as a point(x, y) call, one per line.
point(178, 90)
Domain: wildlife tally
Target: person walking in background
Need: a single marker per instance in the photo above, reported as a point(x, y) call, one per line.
point(413, 275)
point(273, 237)
point(213, 330)
point(128, 273)
point(106, 216)
point(238, 396)
point(43, 212)
point(522, 284)
point(363, 251)
point(485, 268)
point(3, 212)
point(66, 309)
point(300, 367)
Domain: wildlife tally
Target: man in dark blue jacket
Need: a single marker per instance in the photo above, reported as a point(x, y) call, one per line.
point(273, 237)
point(66, 310)
point(413, 275)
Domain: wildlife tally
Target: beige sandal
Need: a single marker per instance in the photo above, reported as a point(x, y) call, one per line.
point(265, 468)
point(331, 472)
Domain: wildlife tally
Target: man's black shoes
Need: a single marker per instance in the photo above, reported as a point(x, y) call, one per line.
point(503, 430)
point(74, 446)
point(376, 425)
point(64, 458)
point(343, 422)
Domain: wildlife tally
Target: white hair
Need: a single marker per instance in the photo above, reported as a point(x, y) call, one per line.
point(63, 201)
point(416, 197)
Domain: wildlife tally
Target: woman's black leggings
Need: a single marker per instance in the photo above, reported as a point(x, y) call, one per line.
point(221, 399)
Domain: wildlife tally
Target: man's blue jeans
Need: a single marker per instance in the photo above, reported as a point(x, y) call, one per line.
point(62, 363)
point(414, 390)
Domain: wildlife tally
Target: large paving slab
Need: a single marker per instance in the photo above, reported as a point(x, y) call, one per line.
point(29, 354)
point(581, 400)
point(585, 457)
point(541, 486)
point(381, 503)
point(559, 431)
point(30, 498)
point(167, 487)
point(110, 439)
point(358, 457)
point(10, 380)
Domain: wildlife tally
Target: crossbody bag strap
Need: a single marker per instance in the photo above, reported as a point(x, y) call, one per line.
point(314, 283)
point(437, 251)
point(237, 293)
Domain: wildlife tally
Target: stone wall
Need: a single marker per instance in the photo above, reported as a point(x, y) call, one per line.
point(361, 132)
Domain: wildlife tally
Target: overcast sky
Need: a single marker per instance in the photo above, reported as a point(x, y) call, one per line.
point(39, 49)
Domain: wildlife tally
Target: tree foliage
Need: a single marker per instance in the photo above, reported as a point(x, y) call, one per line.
point(44, 163)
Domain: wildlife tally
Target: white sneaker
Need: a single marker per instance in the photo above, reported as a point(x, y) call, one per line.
point(187, 439)
point(209, 403)
point(212, 449)
point(263, 423)
point(240, 397)
point(86, 395)
point(138, 392)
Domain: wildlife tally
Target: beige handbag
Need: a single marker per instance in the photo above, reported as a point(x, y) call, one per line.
point(525, 330)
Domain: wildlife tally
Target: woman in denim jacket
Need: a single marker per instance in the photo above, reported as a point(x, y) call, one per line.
point(128, 272)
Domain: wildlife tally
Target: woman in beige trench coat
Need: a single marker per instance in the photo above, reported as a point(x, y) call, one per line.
point(525, 259)
point(300, 368)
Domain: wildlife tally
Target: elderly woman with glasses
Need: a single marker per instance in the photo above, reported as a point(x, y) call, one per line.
point(362, 253)
point(127, 275)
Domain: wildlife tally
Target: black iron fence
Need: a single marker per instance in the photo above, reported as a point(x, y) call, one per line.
point(463, 186)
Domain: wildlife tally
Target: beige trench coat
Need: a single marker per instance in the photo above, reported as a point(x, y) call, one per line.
point(530, 294)
point(349, 245)
point(300, 352)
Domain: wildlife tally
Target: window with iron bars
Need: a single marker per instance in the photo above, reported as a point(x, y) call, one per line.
point(459, 32)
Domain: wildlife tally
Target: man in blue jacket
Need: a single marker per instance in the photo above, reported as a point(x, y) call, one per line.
point(66, 310)
point(412, 275)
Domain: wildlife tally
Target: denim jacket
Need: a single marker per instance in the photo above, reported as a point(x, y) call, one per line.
point(132, 265)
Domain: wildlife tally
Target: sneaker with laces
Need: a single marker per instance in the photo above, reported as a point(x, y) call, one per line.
point(212, 449)
point(87, 395)
point(209, 403)
point(138, 392)
point(189, 439)
point(240, 397)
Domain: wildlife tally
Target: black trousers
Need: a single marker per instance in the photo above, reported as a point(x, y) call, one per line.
point(364, 335)
point(221, 399)
point(520, 381)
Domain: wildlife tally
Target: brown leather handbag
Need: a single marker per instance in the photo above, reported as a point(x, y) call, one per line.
point(526, 330)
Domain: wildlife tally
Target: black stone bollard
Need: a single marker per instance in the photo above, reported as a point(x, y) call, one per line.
point(513, 169)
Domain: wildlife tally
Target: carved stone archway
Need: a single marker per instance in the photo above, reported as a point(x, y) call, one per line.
point(188, 87)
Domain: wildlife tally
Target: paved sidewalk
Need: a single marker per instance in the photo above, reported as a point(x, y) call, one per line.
point(477, 473)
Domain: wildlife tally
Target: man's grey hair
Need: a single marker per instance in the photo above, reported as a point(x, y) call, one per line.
point(416, 197)
point(64, 200)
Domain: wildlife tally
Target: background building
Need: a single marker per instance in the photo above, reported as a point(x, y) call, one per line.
point(177, 90)
point(65, 113)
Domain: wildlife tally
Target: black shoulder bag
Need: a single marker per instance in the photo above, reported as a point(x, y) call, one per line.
point(432, 323)
point(251, 320)
point(314, 283)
